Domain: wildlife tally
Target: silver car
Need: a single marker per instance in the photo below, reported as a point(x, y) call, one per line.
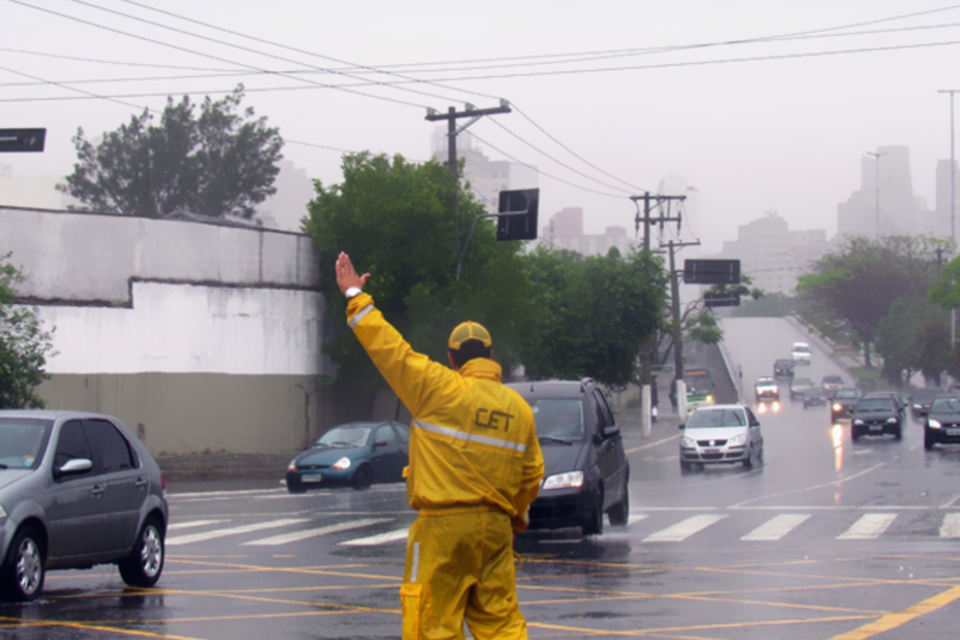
point(76, 490)
point(721, 434)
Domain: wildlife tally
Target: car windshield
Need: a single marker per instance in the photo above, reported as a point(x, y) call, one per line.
point(845, 394)
point(945, 405)
point(708, 418)
point(801, 349)
point(875, 404)
point(765, 381)
point(832, 379)
point(21, 440)
point(346, 436)
point(812, 392)
point(558, 418)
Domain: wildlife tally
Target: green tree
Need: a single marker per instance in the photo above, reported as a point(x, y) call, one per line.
point(856, 285)
point(24, 345)
point(912, 337)
point(220, 162)
point(393, 218)
point(592, 314)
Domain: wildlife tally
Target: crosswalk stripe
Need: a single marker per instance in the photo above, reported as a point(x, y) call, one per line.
point(381, 538)
point(951, 526)
point(868, 527)
point(777, 527)
point(192, 524)
point(636, 517)
point(220, 533)
point(685, 528)
point(296, 536)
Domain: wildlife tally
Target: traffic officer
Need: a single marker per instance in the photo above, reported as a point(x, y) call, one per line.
point(475, 467)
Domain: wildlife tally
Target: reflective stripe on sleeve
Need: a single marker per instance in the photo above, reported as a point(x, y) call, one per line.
point(463, 435)
point(359, 315)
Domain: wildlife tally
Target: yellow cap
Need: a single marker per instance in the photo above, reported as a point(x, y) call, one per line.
point(469, 331)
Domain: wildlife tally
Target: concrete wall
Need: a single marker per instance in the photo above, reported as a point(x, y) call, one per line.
point(208, 336)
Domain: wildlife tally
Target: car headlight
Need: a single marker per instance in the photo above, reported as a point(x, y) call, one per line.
point(892, 421)
point(738, 439)
point(687, 442)
point(3, 512)
point(918, 406)
point(837, 406)
point(341, 464)
point(292, 466)
point(709, 399)
point(933, 424)
point(568, 480)
point(857, 421)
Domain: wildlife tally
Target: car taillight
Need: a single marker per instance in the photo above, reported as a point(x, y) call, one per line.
point(163, 483)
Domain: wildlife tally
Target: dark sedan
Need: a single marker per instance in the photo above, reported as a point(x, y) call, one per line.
point(921, 399)
point(355, 454)
point(876, 417)
point(844, 400)
point(783, 368)
point(943, 423)
point(814, 397)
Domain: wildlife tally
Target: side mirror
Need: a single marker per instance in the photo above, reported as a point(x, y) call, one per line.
point(682, 425)
point(74, 467)
point(612, 430)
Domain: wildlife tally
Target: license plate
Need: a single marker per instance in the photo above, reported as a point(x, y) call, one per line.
point(711, 450)
point(311, 479)
point(953, 432)
point(876, 427)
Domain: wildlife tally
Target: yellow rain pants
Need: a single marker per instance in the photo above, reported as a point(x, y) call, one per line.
point(460, 567)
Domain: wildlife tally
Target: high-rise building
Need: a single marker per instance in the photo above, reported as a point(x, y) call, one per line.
point(565, 231)
point(486, 177)
point(885, 204)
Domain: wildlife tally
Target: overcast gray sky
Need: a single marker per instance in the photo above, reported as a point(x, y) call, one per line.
point(772, 124)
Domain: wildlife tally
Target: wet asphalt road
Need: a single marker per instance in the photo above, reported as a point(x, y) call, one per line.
point(828, 540)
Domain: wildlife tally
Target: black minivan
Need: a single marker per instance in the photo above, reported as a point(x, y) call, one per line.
point(586, 470)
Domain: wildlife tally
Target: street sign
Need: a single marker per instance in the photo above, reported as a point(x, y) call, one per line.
point(722, 299)
point(517, 215)
point(15, 140)
point(711, 271)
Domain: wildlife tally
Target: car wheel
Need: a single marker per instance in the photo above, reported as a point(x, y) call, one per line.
point(593, 525)
point(620, 513)
point(928, 441)
point(296, 487)
point(23, 572)
point(142, 568)
point(854, 435)
point(361, 478)
point(899, 434)
point(686, 467)
point(748, 461)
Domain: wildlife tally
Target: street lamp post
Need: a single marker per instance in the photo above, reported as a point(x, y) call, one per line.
point(877, 155)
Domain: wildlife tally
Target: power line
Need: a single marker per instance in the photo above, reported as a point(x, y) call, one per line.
point(206, 55)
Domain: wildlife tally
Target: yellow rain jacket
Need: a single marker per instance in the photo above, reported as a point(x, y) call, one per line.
point(475, 467)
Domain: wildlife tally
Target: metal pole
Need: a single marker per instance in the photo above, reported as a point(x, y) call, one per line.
point(877, 156)
point(953, 178)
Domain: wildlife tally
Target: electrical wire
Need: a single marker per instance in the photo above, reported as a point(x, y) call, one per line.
point(206, 55)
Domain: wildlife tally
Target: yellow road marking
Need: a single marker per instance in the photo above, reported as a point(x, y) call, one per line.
point(894, 620)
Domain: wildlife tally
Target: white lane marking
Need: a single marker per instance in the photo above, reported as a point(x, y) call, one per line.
point(833, 483)
point(685, 528)
point(951, 526)
point(868, 527)
point(296, 536)
point(950, 503)
point(215, 494)
point(220, 533)
point(777, 527)
point(636, 517)
point(381, 538)
point(192, 524)
point(652, 444)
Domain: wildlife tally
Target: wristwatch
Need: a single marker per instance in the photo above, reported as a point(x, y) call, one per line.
point(353, 292)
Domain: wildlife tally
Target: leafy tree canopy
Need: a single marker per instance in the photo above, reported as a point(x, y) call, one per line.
point(857, 284)
point(220, 162)
point(592, 314)
point(393, 218)
point(24, 345)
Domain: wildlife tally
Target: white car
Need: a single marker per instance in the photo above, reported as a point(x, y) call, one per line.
point(721, 434)
point(800, 352)
point(766, 389)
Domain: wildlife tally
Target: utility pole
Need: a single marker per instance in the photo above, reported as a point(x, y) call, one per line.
point(953, 206)
point(451, 116)
point(673, 247)
point(877, 156)
point(649, 202)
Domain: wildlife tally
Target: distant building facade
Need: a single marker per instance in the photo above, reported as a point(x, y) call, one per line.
point(30, 191)
point(565, 231)
point(774, 256)
point(945, 221)
point(885, 204)
point(486, 177)
point(286, 208)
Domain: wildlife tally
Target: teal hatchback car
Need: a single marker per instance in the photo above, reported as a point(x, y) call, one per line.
point(355, 454)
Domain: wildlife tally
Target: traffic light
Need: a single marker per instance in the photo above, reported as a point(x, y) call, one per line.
point(517, 215)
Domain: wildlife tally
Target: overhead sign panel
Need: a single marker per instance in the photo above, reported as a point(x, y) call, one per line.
point(723, 299)
point(18, 140)
point(517, 214)
point(711, 271)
